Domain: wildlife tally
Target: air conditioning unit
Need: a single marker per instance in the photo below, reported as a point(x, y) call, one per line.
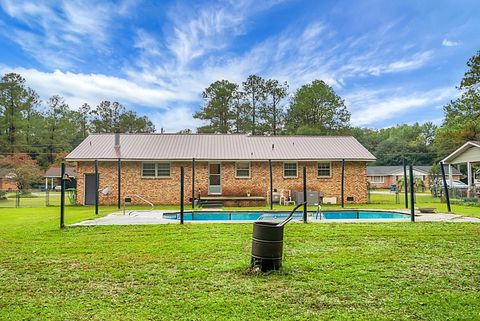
point(313, 197)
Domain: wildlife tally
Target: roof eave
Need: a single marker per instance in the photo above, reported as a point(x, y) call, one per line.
point(220, 159)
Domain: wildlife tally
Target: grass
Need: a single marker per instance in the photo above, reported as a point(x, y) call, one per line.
point(376, 271)
point(37, 199)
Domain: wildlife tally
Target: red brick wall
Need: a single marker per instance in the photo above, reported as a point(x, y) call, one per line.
point(166, 190)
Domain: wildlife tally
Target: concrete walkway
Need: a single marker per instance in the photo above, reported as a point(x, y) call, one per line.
point(156, 217)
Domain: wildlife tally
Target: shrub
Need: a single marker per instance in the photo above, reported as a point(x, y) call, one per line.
point(72, 195)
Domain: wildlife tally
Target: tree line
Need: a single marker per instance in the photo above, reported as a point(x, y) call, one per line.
point(261, 106)
point(46, 130)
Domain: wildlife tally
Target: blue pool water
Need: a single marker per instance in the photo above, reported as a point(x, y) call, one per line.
point(253, 216)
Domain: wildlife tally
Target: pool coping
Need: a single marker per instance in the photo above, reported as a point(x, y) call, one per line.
point(156, 217)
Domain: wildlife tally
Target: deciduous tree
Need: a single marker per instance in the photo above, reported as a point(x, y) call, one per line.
point(24, 169)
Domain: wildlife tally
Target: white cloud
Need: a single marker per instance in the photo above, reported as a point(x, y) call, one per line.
point(92, 88)
point(59, 34)
point(369, 107)
point(450, 43)
point(175, 119)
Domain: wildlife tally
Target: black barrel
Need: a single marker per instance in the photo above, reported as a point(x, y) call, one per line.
point(267, 242)
point(267, 245)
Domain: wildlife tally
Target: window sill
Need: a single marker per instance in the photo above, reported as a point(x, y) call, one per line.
point(155, 177)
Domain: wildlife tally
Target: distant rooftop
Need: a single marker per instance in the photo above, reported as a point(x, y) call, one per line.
point(396, 170)
point(219, 147)
point(54, 171)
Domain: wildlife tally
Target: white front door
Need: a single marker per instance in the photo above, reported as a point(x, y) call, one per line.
point(214, 178)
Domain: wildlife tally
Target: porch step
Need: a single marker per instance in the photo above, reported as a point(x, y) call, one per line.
point(210, 204)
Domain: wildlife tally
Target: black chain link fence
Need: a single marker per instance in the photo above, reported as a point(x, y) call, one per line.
point(34, 198)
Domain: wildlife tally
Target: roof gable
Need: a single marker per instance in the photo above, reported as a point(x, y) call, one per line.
point(450, 159)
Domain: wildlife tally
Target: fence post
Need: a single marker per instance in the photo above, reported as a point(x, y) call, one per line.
point(97, 187)
point(47, 197)
point(193, 183)
point(405, 183)
point(182, 176)
point(445, 186)
point(17, 199)
point(412, 196)
point(271, 184)
point(119, 183)
point(62, 196)
point(343, 183)
point(305, 194)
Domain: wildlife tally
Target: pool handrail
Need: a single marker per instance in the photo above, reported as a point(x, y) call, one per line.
point(140, 198)
point(290, 216)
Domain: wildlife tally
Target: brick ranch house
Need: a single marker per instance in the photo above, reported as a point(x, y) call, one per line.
point(386, 176)
point(5, 183)
point(225, 165)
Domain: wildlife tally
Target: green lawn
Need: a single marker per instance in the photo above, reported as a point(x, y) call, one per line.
point(33, 200)
point(201, 271)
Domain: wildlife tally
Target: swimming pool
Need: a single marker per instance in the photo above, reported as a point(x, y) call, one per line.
point(297, 216)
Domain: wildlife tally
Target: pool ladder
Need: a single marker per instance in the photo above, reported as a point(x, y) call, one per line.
point(318, 214)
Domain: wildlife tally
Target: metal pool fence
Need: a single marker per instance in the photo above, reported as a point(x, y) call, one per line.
point(425, 197)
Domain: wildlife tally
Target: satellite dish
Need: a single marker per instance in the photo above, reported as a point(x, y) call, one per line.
point(106, 191)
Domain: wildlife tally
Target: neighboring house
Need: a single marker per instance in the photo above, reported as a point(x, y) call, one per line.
point(53, 175)
point(386, 176)
point(468, 154)
point(225, 165)
point(6, 184)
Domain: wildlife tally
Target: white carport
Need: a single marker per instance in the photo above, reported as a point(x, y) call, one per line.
point(468, 153)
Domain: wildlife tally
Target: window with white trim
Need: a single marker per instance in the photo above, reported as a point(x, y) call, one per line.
point(155, 169)
point(242, 169)
point(149, 169)
point(163, 169)
point(290, 170)
point(377, 179)
point(324, 169)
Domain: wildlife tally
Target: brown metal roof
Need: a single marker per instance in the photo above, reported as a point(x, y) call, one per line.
point(56, 171)
point(220, 147)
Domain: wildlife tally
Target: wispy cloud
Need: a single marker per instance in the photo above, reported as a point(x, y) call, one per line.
point(370, 107)
point(168, 68)
point(57, 35)
point(450, 43)
point(78, 88)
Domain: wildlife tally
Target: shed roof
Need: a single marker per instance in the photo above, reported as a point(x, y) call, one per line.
point(219, 147)
point(56, 171)
point(395, 170)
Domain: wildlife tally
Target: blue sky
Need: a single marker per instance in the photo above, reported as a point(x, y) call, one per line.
point(393, 61)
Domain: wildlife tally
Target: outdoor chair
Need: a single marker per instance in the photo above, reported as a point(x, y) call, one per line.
point(287, 200)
